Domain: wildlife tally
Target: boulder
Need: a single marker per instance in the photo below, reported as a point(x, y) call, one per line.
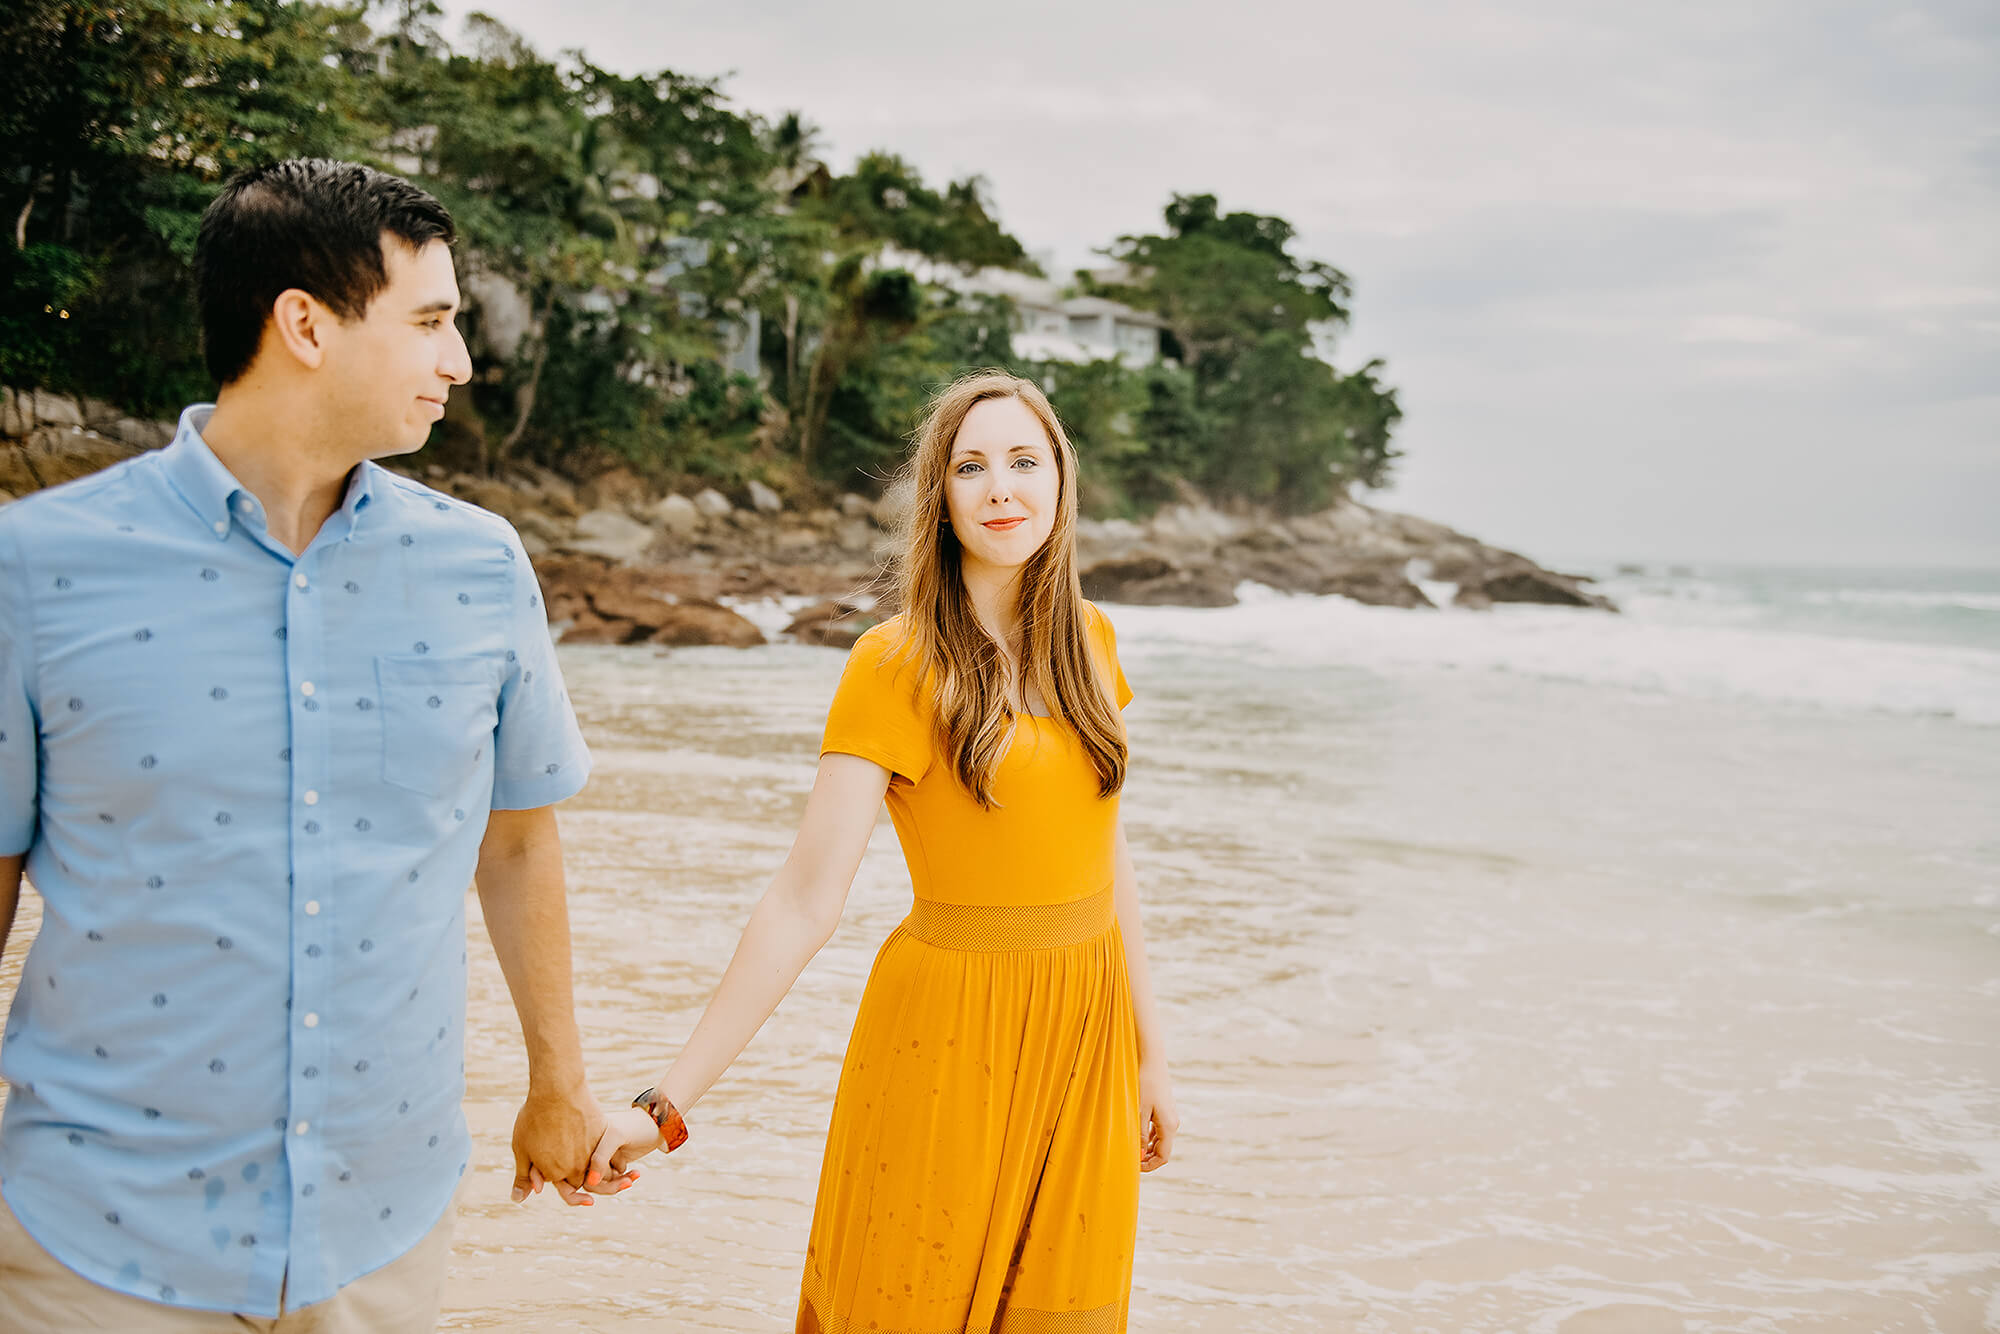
point(99, 415)
point(894, 504)
point(141, 432)
point(1155, 581)
point(1533, 584)
point(1195, 527)
point(6, 497)
point(695, 623)
point(54, 409)
point(856, 507)
point(712, 504)
point(51, 455)
point(620, 488)
point(586, 627)
point(1471, 599)
point(612, 534)
point(677, 515)
point(488, 494)
point(547, 530)
point(1375, 585)
point(832, 624)
point(795, 539)
point(854, 535)
point(764, 500)
point(14, 414)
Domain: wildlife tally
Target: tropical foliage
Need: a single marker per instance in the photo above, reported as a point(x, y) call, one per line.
point(654, 276)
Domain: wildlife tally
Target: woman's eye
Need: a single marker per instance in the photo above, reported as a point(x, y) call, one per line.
point(1024, 459)
point(967, 469)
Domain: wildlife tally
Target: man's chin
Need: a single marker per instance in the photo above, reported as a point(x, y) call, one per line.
point(411, 441)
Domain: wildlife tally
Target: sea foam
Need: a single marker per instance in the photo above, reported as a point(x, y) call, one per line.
point(1641, 652)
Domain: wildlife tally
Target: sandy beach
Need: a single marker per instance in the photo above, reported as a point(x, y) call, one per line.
point(1499, 1002)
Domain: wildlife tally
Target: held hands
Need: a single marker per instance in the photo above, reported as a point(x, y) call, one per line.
point(552, 1139)
point(1159, 1121)
point(629, 1134)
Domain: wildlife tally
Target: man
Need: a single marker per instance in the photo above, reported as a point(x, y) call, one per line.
point(265, 710)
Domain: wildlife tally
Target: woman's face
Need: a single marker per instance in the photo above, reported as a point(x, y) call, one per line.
point(1002, 485)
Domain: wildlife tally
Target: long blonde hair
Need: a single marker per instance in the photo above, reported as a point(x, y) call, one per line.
point(953, 651)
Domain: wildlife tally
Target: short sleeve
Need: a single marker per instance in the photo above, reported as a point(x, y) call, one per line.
point(877, 712)
point(538, 753)
point(20, 729)
point(1107, 644)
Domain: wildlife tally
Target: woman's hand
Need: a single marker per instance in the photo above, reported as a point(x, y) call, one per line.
point(1159, 1121)
point(629, 1134)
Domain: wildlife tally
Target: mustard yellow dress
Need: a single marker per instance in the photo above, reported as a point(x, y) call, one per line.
point(982, 1165)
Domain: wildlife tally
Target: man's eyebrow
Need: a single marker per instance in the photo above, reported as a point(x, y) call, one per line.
point(435, 307)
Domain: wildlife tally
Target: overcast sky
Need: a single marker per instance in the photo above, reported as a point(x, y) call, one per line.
point(1693, 281)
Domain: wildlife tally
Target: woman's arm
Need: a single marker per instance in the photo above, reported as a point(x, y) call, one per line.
point(796, 916)
point(1159, 1121)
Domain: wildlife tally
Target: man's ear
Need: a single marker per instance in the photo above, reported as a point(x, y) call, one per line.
point(301, 325)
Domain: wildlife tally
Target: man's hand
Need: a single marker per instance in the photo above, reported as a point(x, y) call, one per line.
point(553, 1139)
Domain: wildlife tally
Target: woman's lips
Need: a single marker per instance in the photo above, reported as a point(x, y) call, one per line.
point(1005, 525)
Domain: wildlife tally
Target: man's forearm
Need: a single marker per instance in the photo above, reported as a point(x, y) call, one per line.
point(527, 916)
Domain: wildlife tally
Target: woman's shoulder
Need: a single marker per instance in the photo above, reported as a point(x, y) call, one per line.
point(883, 651)
point(885, 638)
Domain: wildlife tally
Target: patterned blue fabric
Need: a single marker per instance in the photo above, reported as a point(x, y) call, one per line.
point(251, 790)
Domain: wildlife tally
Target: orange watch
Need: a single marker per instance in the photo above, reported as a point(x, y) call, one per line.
point(673, 1127)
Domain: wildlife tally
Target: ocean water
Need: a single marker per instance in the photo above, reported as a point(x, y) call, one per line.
point(1534, 970)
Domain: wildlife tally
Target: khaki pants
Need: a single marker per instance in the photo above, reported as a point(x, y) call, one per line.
point(38, 1295)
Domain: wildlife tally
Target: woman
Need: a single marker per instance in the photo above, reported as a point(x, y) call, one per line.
point(1005, 1083)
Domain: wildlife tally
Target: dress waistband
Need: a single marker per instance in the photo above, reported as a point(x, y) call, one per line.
point(1027, 926)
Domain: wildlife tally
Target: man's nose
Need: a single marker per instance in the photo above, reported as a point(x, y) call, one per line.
point(457, 363)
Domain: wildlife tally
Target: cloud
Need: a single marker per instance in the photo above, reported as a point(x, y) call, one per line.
point(1645, 275)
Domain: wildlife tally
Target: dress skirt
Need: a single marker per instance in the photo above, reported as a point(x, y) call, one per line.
point(982, 1164)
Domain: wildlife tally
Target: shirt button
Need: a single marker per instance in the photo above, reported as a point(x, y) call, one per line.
point(306, 689)
point(312, 1021)
point(312, 798)
point(300, 578)
point(312, 907)
point(221, 527)
point(243, 503)
point(301, 1127)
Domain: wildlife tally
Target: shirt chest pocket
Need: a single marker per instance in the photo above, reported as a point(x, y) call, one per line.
point(438, 716)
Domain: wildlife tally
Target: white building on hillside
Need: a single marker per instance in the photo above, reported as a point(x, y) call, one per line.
point(1048, 325)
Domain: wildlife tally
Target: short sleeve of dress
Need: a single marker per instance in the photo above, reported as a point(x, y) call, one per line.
point(877, 712)
point(1107, 645)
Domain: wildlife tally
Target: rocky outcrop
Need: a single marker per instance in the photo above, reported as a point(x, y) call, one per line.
point(625, 563)
point(592, 600)
point(836, 623)
point(53, 438)
point(1155, 580)
point(1193, 555)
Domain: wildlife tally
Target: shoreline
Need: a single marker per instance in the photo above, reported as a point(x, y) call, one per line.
point(623, 561)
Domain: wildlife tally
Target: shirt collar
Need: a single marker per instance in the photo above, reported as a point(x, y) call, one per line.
point(214, 494)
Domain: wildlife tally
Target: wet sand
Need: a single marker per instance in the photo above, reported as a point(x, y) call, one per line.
point(1496, 1005)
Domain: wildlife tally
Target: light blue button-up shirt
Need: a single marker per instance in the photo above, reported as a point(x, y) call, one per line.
point(251, 789)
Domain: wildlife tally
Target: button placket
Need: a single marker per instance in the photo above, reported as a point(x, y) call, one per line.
point(308, 1060)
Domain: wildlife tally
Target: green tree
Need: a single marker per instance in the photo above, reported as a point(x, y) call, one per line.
point(1271, 421)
